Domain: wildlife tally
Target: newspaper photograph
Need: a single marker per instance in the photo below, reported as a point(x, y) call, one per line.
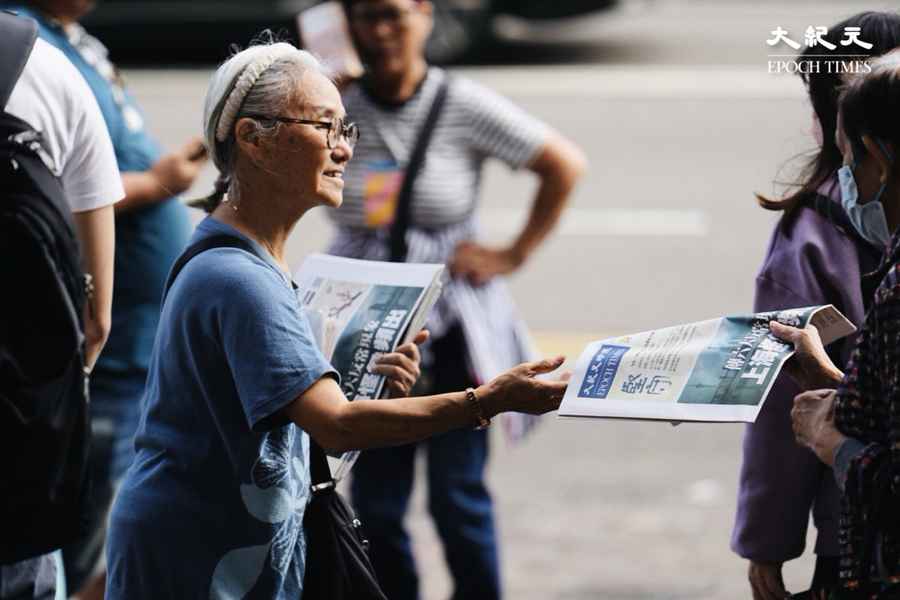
point(359, 310)
point(720, 370)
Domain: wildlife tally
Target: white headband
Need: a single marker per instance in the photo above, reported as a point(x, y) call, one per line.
point(245, 83)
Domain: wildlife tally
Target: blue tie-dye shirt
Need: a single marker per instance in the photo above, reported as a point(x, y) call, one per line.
point(213, 505)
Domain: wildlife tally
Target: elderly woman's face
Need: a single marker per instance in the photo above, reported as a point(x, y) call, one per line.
point(390, 34)
point(299, 155)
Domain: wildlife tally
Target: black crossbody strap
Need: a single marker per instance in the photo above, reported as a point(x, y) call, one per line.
point(318, 466)
point(318, 462)
point(216, 241)
point(403, 214)
point(17, 36)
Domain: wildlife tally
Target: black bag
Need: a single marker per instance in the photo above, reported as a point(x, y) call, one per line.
point(44, 426)
point(337, 561)
point(337, 557)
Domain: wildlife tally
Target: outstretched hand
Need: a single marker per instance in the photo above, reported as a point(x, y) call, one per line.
point(520, 390)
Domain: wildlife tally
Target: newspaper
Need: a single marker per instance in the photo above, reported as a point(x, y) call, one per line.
point(324, 31)
point(359, 310)
point(720, 370)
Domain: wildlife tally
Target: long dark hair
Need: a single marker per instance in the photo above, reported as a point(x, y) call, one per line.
point(882, 30)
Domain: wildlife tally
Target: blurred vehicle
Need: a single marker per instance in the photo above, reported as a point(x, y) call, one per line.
point(201, 31)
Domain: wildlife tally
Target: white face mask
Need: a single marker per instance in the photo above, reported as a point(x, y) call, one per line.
point(868, 219)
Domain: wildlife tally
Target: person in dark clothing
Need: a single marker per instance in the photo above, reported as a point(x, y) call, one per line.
point(814, 257)
point(855, 429)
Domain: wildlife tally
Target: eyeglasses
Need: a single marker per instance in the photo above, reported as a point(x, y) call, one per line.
point(369, 17)
point(335, 128)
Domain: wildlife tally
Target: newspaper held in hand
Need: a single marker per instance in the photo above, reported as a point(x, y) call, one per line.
point(359, 310)
point(719, 370)
point(324, 31)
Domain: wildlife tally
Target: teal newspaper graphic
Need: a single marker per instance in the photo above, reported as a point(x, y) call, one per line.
point(715, 370)
point(374, 330)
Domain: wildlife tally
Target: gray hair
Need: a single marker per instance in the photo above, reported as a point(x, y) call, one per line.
point(259, 80)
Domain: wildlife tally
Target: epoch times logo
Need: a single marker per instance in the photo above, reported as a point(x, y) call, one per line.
point(827, 53)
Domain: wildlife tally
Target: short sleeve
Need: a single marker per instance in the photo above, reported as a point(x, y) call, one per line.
point(90, 175)
point(497, 127)
point(266, 339)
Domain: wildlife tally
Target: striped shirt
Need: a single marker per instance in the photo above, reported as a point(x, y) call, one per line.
point(475, 124)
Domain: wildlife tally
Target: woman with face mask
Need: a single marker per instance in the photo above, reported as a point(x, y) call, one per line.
point(855, 428)
point(815, 256)
point(475, 328)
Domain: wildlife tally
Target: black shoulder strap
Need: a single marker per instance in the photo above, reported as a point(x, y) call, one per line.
point(216, 241)
point(318, 465)
point(17, 36)
point(318, 462)
point(416, 160)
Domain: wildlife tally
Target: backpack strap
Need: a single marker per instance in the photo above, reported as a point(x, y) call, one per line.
point(17, 36)
point(223, 240)
point(402, 217)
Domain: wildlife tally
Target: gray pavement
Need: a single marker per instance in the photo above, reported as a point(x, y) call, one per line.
point(681, 123)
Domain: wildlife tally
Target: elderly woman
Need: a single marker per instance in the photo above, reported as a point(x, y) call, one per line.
point(476, 330)
point(214, 502)
point(856, 428)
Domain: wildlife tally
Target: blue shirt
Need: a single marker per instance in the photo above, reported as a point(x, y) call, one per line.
point(149, 238)
point(213, 504)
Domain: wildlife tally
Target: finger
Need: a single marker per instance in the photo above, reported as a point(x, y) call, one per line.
point(395, 373)
point(774, 584)
point(785, 332)
point(760, 588)
point(422, 337)
point(553, 389)
point(397, 389)
point(565, 376)
point(194, 149)
point(545, 366)
point(479, 277)
point(411, 351)
point(461, 267)
point(757, 592)
point(397, 361)
point(756, 587)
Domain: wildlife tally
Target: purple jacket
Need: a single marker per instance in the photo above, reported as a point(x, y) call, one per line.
point(810, 261)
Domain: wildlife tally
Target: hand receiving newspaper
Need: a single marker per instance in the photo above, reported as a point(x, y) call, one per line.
point(716, 370)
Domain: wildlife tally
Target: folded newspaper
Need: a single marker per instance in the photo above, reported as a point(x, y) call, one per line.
point(359, 310)
point(717, 370)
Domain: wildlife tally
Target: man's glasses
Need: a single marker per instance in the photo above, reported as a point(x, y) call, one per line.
point(336, 128)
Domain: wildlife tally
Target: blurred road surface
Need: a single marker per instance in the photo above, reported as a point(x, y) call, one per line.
point(682, 123)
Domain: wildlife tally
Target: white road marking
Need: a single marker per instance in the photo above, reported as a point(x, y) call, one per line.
point(745, 82)
point(607, 221)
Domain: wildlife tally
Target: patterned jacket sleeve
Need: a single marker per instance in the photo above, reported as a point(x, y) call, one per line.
point(868, 409)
